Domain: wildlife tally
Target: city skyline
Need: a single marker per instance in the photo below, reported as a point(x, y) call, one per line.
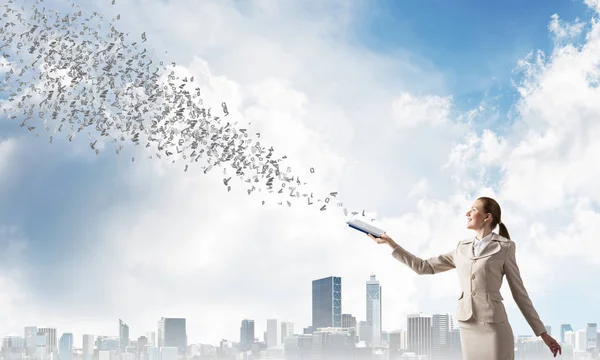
point(439, 323)
point(420, 337)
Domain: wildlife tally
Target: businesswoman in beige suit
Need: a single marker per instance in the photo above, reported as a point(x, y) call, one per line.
point(481, 263)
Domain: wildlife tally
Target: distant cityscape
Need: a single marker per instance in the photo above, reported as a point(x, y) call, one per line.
point(332, 335)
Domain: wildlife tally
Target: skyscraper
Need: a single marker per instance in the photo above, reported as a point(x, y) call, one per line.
point(12, 347)
point(172, 333)
point(41, 346)
point(348, 321)
point(51, 344)
point(564, 328)
point(30, 340)
point(327, 302)
point(440, 330)
point(591, 331)
point(397, 341)
point(65, 347)
point(364, 332)
point(123, 336)
point(419, 334)
point(287, 329)
point(569, 338)
point(272, 333)
point(142, 342)
point(247, 333)
point(580, 340)
point(151, 335)
point(374, 310)
point(87, 351)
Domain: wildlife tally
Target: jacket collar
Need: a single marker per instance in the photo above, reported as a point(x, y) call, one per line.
point(495, 237)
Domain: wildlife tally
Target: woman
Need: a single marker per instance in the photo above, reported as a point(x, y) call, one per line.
point(481, 263)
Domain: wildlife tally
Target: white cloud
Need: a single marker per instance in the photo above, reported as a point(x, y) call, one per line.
point(409, 110)
point(548, 184)
point(493, 148)
point(190, 248)
point(593, 4)
point(14, 298)
point(554, 145)
point(564, 31)
point(7, 153)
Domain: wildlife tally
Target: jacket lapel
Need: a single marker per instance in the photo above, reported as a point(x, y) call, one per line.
point(466, 248)
point(491, 248)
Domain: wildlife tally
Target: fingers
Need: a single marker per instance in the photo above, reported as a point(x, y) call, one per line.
point(379, 240)
point(555, 348)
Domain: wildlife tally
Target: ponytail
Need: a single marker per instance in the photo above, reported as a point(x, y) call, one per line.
point(503, 231)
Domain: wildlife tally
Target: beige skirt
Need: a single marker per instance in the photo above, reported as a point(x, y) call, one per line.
point(489, 341)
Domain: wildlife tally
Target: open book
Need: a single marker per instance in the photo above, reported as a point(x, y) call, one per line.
point(364, 227)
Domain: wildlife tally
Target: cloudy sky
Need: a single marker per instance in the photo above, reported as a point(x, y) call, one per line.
point(409, 109)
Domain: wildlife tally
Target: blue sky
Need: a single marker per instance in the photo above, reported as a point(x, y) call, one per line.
point(92, 222)
point(476, 44)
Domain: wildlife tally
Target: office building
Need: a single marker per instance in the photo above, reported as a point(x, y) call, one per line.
point(153, 353)
point(591, 331)
point(327, 302)
point(142, 343)
point(172, 333)
point(440, 332)
point(419, 334)
point(453, 348)
point(287, 329)
point(41, 348)
point(13, 347)
point(564, 328)
point(365, 332)
point(30, 340)
point(123, 336)
point(398, 340)
point(51, 343)
point(13, 342)
point(65, 346)
point(569, 338)
point(272, 338)
point(348, 321)
point(87, 348)
point(374, 311)
point(247, 333)
point(151, 335)
point(580, 340)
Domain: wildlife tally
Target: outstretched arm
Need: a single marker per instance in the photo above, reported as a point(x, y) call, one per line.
point(434, 265)
point(519, 293)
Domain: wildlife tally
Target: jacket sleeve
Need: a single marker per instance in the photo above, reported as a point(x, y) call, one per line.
point(434, 265)
point(519, 293)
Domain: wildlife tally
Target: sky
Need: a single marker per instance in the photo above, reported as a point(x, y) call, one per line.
point(410, 110)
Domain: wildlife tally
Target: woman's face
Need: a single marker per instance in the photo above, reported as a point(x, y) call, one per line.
point(476, 218)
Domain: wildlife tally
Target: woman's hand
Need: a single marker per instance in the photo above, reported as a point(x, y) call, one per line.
point(384, 239)
point(551, 343)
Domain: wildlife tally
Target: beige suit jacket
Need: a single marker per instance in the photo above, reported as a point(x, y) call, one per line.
point(480, 279)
